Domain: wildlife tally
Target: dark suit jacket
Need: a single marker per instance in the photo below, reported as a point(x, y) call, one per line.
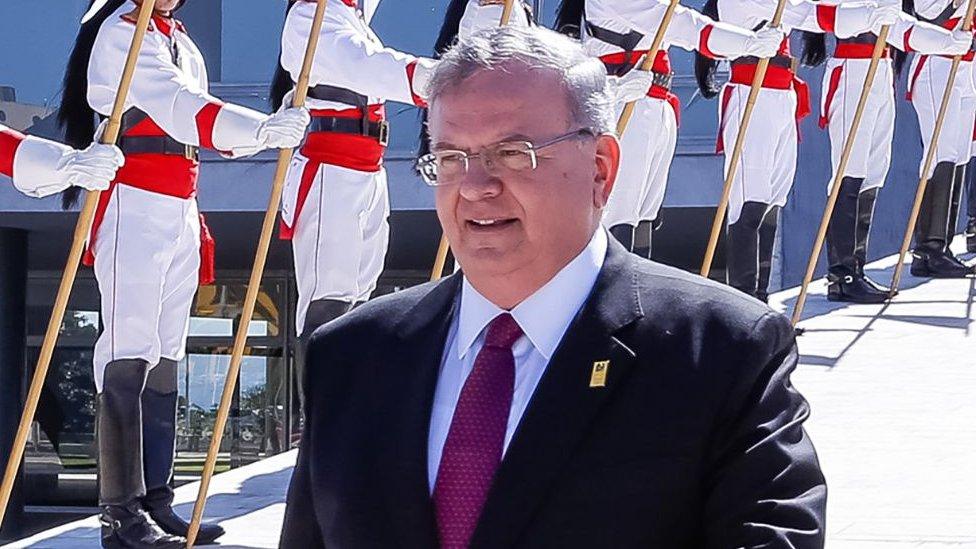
point(695, 441)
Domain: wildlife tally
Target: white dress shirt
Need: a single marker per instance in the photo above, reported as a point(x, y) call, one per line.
point(543, 317)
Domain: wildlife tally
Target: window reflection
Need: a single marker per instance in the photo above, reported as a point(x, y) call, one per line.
point(61, 453)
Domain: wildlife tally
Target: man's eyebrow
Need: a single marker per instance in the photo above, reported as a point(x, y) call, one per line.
point(443, 145)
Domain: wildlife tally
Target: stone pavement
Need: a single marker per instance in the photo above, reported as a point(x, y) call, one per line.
point(893, 394)
point(248, 502)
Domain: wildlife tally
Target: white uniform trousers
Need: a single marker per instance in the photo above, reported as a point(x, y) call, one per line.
point(768, 160)
point(147, 263)
point(647, 149)
point(871, 153)
point(341, 236)
point(955, 140)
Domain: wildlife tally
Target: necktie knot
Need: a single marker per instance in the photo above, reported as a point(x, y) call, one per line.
point(503, 332)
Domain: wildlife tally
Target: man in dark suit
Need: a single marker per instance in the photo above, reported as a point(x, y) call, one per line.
point(561, 392)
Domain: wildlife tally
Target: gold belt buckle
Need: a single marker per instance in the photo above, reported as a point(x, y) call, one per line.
point(190, 152)
point(384, 133)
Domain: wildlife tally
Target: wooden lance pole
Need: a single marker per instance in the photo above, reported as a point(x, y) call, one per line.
point(929, 158)
point(647, 64)
point(82, 228)
point(254, 284)
point(723, 203)
point(845, 155)
point(441, 258)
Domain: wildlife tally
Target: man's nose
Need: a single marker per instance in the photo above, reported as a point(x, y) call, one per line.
point(479, 183)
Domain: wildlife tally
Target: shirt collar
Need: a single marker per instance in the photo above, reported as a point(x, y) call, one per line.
point(544, 315)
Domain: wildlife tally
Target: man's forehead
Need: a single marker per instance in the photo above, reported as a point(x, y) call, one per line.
point(517, 101)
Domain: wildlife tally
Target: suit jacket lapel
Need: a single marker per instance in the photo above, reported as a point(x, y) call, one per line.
point(406, 403)
point(564, 405)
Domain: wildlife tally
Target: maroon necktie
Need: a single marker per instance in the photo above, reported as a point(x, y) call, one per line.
point(473, 448)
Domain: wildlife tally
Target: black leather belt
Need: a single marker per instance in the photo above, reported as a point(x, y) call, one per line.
point(627, 42)
point(863, 38)
point(779, 61)
point(157, 145)
point(338, 95)
point(354, 126)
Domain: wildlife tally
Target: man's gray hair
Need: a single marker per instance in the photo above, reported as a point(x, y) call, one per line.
point(584, 77)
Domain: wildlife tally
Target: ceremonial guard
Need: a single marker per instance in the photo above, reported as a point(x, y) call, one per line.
point(335, 203)
point(768, 161)
point(149, 247)
point(40, 168)
point(939, 213)
point(870, 158)
point(620, 34)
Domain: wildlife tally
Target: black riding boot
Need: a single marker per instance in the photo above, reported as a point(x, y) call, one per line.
point(624, 234)
point(159, 451)
point(929, 258)
point(767, 239)
point(845, 281)
point(958, 184)
point(120, 460)
point(865, 215)
point(742, 248)
point(971, 206)
point(319, 312)
point(971, 235)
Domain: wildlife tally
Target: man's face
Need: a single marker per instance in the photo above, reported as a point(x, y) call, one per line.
point(531, 222)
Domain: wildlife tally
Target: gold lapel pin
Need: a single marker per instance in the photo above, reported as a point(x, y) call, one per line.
point(598, 378)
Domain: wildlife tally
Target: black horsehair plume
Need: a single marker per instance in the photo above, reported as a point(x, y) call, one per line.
point(705, 67)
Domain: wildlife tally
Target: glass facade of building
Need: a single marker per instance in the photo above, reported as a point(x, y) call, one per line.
point(60, 461)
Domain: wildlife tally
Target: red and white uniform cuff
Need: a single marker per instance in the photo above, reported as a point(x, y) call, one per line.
point(826, 17)
point(34, 167)
point(230, 129)
point(10, 141)
point(418, 99)
point(703, 48)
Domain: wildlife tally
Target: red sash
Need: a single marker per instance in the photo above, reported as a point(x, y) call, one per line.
point(167, 174)
point(777, 78)
point(355, 152)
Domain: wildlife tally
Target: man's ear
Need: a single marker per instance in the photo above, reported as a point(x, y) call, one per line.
point(607, 163)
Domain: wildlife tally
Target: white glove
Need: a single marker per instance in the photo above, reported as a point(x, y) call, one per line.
point(764, 43)
point(962, 42)
point(421, 76)
point(884, 14)
point(284, 129)
point(860, 17)
point(631, 86)
point(91, 169)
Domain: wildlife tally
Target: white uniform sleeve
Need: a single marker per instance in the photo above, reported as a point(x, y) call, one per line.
point(910, 34)
point(684, 31)
point(169, 96)
point(477, 16)
point(346, 57)
point(805, 15)
point(35, 164)
point(930, 9)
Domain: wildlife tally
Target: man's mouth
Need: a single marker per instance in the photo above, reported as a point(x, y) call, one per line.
point(488, 223)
